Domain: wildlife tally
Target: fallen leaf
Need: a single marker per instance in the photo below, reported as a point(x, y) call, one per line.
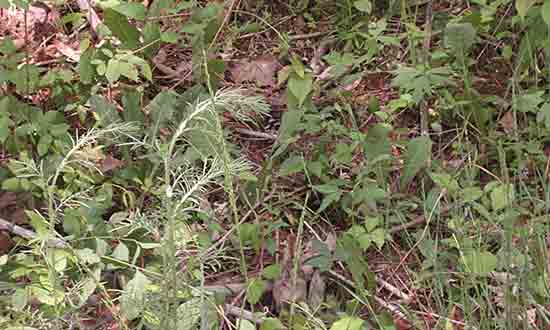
point(316, 294)
point(73, 55)
point(6, 243)
point(110, 163)
point(507, 122)
point(260, 70)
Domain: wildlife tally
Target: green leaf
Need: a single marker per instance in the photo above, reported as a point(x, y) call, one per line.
point(502, 196)
point(543, 116)
point(272, 272)
point(87, 256)
point(480, 263)
point(418, 154)
point(133, 297)
point(271, 323)
point(131, 101)
point(545, 12)
point(105, 111)
point(528, 102)
point(348, 323)
point(329, 199)
point(44, 144)
point(131, 9)
point(378, 142)
point(459, 37)
point(523, 6)
point(169, 37)
point(327, 188)
point(4, 128)
point(162, 108)
point(471, 194)
point(189, 314)
point(255, 290)
point(301, 87)
point(121, 28)
point(292, 165)
point(121, 252)
point(11, 184)
point(378, 236)
point(246, 325)
point(363, 5)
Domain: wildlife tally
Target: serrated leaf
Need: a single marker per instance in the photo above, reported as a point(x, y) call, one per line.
point(418, 154)
point(301, 87)
point(133, 296)
point(121, 28)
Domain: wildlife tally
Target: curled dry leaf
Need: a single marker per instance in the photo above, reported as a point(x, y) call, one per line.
point(261, 71)
point(73, 55)
point(507, 122)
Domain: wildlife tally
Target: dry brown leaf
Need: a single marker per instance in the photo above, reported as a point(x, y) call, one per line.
point(6, 243)
point(507, 122)
point(261, 71)
point(73, 55)
point(316, 293)
point(110, 163)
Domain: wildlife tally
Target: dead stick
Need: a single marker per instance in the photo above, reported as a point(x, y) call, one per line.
point(29, 234)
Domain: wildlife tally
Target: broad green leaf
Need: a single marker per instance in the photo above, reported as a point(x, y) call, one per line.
point(378, 236)
point(104, 111)
point(363, 5)
point(327, 188)
point(131, 101)
point(131, 9)
point(329, 199)
point(11, 184)
point(348, 323)
point(543, 116)
point(272, 272)
point(246, 325)
point(4, 128)
point(459, 37)
point(523, 6)
point(301, 87)
point(545, 12)
point(271, 323)
point(502, 196)
point(47, 295)
point(44, 144)
point(292, 165)
point(418, 155)
point(57, 258)
point(161, 109)
point(378, 142)
point(189, 314)
point(528, 102)
point(132, 300)
point(121, 252)
point(87, 256)
point(255, 290)
point(20, 298)
point(480, 263)
point(471, 194)
point(121, 28)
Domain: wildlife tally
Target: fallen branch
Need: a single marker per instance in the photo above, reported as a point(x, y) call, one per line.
point(29, 234)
